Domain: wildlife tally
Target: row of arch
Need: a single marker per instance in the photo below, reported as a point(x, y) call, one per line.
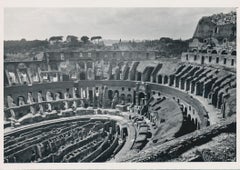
point(222, 52)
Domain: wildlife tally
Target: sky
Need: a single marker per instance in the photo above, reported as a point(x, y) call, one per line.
point(110, 23)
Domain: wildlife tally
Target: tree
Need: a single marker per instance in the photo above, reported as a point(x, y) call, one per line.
point(84, 39)
point(93, 38)
point(56, 38)
point(96, 38)
point(72, 38)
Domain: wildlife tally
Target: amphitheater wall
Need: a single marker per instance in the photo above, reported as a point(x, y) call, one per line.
point(209, 59)
point(113, 85)
point(53, 87)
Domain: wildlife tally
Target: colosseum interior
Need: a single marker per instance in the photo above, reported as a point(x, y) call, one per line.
point(124, 105)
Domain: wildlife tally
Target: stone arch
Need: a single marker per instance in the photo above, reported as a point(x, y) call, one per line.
point(89, 65)
point(234, 52)
point(90, 74)
point(122, 98)
point(82, 76)
point(21, 66)
point(224, 52)
point(185, 111)
point(81, 65)
point(129, 98)
point(202, 59)
point(206, 40)
point(117, 73)
point(110, 94)
point(21, 100)
point(225, 40)
point(116, 91)
point(219, 102)
point(58, 95)
point(194, 50)
point(34, 72)
point(189, 118)
point(49, 96)
point(214, 51)
point(160, 79)
point(193, 124)
point(165, 79)
point(10, 101)
point(120, 64)
point(141, 96)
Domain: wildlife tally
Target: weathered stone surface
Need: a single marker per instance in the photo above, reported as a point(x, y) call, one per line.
point(173, 149)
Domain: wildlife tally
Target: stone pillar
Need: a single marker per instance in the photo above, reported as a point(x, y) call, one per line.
point(137, 99)
point(182, 82)
point(8, 77)
point(94, 97)
point(103, 98)
point(81, 95)
point(39, 74)
point(87, 93)
point(196, 88)
point(193, 86)
point(18, 77)
point(73, 92)
point(85, 67)
point(28, 75)
point(176, 82)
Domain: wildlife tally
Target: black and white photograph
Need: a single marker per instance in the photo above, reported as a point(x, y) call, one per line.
point(119, 85)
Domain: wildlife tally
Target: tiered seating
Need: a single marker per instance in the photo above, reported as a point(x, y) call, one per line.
point(164, 113)
point(203, 81)
point(143, 132)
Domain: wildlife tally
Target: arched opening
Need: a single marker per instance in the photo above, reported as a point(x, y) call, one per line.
point(224, 52)
point(129, 98)
point(82, 76)
point(193, 127)
point(185, 111)
point(110, 94)
point(49, 96)
point(141, 98)
point(116, 92)
point(122, 99)
point(214, 52)
point(81, 65)
point(189, 118)
point(10, 101)
point(234, 53)
point(160, 79)
point(120, 65)
point(202, 60)
point(165, 79)
point(194, 50)
point(21, 101)
point(196, 123)
point(58, 95)
point(76, 92)
point(219, 103)
point(90, 74)
point(117, 74)
point(89, 65)
point(139, 76)
point(90, 92)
